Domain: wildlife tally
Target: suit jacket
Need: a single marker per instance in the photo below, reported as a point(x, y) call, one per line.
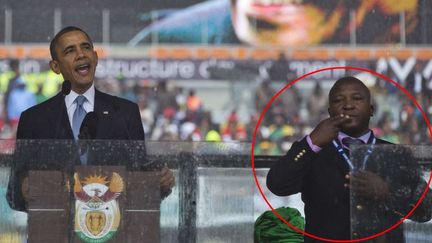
point(320, 177)
point(118, 119)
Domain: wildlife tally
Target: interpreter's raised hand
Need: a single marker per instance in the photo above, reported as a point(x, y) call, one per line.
point(167, 180)
point(368, 184)
point(327, 129)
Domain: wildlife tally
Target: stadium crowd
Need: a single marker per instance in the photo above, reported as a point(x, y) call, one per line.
point(171, 113)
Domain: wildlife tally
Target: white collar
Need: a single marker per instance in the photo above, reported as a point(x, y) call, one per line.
point(89, 94)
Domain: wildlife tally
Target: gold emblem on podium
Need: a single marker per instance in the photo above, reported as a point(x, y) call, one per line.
point(95, 220)
point(97, 213)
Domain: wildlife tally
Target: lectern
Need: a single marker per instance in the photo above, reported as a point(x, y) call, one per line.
point(103, 204)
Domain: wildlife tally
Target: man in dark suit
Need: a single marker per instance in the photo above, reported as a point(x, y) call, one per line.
point(319, 167)
point(61, 116)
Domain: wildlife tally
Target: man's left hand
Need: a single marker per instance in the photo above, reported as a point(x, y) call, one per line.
point(167, 180)
point(369, 184)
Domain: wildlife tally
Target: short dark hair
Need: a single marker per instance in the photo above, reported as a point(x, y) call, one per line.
point(349, 79)
point(63, 31)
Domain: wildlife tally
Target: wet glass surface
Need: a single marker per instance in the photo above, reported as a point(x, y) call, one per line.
point(386, 187)
point(212, 198)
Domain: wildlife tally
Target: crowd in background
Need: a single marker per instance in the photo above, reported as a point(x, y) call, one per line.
point(396, 119)
point(170, 112)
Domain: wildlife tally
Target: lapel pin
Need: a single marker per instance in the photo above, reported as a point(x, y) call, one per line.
point(105, 112)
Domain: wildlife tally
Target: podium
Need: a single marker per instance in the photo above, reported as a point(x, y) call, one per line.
point(211, 200)
point(113, 197)
point(105, 204)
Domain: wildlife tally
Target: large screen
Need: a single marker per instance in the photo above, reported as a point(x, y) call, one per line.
point(289, 23)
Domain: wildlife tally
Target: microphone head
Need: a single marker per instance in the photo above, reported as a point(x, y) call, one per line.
point(88, 129)
point(66, 87)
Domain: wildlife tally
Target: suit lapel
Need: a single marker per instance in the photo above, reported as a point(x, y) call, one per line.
point(104, 109)
point(59, 123)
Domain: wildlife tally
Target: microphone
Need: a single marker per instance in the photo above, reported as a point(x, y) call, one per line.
point(88, 129)
point(65, 90)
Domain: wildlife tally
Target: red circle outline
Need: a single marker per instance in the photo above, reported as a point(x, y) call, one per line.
point(289, 85)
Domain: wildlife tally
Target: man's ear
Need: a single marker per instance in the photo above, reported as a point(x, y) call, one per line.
point(97, 58)
point(372, 109)
point(54, 66)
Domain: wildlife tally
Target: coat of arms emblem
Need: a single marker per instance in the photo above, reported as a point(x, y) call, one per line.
point(97, 213)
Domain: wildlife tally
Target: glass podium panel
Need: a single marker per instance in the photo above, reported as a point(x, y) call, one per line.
point(13, 224)
point(212, 200)
point(385, 187)
point(225, 193)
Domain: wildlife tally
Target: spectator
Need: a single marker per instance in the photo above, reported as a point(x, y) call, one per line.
point(289, 104)
point(166, 127)
point(193, 102)
point(279, 69)
point(267, 148)
point(40, 97)
point(416, 82)
point(316, 104)
point(280, 129)
point(128, 89)
point(263, 94)
point(19, 100)
point(164, 97)
point(147, 115)
point(15, 72)
point(388, 133)
point(213, 135)
point(233, 130)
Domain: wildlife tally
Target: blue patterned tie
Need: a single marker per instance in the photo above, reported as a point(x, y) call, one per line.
point(78, 115)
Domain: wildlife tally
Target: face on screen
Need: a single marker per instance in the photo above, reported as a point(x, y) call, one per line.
point(308, 22)
point(289, 22)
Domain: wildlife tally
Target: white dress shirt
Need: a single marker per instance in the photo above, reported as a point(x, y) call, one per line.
point(88, 105)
